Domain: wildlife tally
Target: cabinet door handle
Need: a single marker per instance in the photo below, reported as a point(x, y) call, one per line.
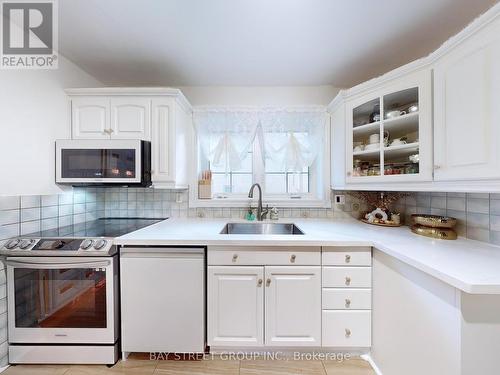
point(268, 282)
point(347, 258)
point(106, 131)
point(437, 167)
point(349, 174)
point(259, 282)
point(292, 258)
point(347, 302)
point(347, 332)
point(347, 280)
point(111, 131)
point(235, 257)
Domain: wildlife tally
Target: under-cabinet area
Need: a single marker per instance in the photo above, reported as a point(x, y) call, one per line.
point(289, 297)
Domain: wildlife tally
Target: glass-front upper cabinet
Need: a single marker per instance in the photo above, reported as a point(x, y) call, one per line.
point(389, 132)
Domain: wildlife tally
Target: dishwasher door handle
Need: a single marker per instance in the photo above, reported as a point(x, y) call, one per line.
point(161, 253)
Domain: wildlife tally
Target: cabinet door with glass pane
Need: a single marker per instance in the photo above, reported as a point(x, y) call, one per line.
point(389, 132)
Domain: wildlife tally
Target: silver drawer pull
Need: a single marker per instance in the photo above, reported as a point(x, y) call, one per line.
point(347, 280)
point(347, 332)
point(292, 258)
point(347, 302)
point(235, 257)
point(347, 258)
point(268, 282)
point(259, 282)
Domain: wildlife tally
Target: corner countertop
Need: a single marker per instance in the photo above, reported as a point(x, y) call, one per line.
point(471, 266)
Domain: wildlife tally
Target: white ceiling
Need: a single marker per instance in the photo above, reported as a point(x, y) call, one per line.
point(254, 42)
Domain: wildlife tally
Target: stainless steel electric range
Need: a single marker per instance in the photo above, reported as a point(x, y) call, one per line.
point(62, 289)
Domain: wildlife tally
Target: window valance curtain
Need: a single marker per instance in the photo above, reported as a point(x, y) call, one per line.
point(291, 137)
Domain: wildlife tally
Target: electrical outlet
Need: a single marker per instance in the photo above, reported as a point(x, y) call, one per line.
point(339, 199)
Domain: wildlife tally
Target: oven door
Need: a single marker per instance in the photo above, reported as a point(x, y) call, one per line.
point(94, 161)
point(62, 300)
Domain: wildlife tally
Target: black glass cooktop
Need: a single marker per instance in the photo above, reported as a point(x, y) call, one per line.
point(105, 227)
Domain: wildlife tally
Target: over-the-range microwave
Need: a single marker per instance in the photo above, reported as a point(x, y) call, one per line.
point(103, 162)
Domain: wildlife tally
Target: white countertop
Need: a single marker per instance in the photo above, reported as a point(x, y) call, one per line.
point(471, 266)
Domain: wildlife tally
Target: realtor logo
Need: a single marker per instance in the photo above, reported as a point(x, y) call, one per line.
point(29, 34)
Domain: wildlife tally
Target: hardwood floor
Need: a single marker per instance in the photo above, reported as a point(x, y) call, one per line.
point(134, 366)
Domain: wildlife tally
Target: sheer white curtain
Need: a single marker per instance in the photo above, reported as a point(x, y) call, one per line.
point(293, 138)
point(226, 136)
point(290, 137)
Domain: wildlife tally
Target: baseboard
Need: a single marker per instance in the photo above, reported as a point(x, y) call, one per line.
point(369, 359)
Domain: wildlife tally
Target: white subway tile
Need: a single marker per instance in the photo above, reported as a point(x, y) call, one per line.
point(7, 231)
point(30, 227)
point(9, 203)
point(9, 217)
point(30, 201)
point(30, 214)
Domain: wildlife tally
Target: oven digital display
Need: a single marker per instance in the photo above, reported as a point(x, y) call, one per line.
point(58, 244)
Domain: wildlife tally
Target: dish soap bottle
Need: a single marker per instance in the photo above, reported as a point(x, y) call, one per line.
point(250, 215)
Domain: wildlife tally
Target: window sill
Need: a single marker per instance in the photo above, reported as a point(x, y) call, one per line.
point(273, 202)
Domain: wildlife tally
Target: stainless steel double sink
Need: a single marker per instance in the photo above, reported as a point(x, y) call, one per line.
point(261, 228)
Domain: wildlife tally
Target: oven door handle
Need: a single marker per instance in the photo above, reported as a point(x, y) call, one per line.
point(41, 265)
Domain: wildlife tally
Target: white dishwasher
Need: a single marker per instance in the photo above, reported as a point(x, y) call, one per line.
point(162, 299)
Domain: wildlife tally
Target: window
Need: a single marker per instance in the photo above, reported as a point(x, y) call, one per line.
point(270, 174)
point(284, 151)
point(232, 182)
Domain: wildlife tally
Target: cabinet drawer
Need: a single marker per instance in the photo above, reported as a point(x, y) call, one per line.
point(347, 328)
point(347, 256)
point(347, 299)
point(278, 256)
point(347, 277)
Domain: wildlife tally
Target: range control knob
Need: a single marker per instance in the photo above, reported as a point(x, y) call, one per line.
point(99, 244)
point(25, 244)
point(86, 244)
point(12, 244)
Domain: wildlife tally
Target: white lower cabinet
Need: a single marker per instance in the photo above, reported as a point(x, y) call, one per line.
point(347, 328)
point(349, 299)
point(276, 305)
point(347, 277)
point(293, 306)
point(325, 300)
point(235, 306)
point(346, 297)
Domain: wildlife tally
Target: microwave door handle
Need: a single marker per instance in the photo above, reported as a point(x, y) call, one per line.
point(40, 265)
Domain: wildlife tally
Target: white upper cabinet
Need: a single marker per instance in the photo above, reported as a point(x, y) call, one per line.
point(467, 108)
point(160, 115)
point(293, 306)
point(389, 131)
point(338, 127)
point(90, 118)
point(130, 118)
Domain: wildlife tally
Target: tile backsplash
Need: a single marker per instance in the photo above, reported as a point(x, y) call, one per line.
point(478, 214)
point(27, 214)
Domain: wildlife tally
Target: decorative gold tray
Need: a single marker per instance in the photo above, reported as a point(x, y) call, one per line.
point(434, 221)
point(439, 233)
point(386, 224)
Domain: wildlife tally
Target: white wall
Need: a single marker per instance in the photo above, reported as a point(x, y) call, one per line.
point(34, 112)
point(260, 95)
